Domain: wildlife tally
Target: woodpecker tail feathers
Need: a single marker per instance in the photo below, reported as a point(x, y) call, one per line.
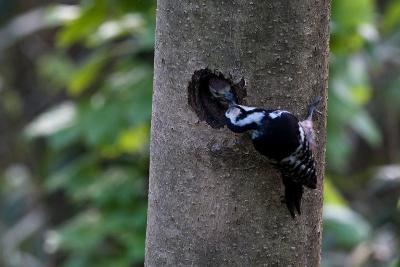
point(293, 195)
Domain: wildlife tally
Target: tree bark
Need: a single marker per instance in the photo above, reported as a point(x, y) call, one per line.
point(213, 200)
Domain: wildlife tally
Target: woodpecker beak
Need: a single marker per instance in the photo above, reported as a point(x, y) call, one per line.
point(221, 90)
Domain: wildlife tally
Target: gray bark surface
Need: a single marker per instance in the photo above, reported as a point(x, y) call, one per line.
point(213, 200)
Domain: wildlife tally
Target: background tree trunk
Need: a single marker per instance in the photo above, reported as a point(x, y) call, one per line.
point(213, 200)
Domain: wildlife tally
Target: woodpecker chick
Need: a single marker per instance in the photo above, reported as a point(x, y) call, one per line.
point(222, 90)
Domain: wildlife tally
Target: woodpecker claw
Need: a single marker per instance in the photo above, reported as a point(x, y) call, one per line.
point(313, 107)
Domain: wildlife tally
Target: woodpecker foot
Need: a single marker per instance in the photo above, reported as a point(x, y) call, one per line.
point(313, 107)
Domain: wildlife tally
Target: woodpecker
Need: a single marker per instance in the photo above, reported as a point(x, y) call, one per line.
point(287, 142)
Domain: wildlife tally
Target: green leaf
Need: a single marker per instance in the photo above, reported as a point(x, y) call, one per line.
point(338, 150)
point(343, 227)
point(366, 128)
point(100, 123)
point(63, 138)
point(57, 69)
point(144, 6)
point(84, 232)
point(81, 27)
point(134, 139)
point(74, 176)
point(331, 194)
point(112, 29)
point(87, 73)
point(391, 17)
point(345, 30)
point(343, 14)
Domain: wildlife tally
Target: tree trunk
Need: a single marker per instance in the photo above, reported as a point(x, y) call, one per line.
point(213, 200)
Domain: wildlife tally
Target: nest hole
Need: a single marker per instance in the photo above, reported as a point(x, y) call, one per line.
point(208, 108)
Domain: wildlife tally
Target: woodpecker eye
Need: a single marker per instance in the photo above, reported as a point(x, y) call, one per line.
point(210, 92)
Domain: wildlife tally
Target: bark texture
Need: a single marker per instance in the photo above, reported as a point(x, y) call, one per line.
point(213, 200)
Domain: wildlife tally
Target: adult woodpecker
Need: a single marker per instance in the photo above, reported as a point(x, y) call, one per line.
point(287, 142)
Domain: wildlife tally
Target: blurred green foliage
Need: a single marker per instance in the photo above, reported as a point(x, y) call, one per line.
point(359, 215)
point(349, 83)
point(103, 60)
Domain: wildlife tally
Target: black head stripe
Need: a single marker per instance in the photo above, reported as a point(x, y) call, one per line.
point(244, 113)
